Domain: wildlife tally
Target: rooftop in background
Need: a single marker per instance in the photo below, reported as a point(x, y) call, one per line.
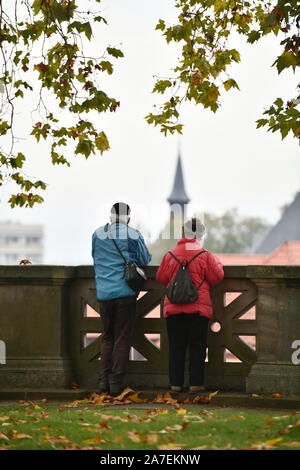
point(286, 229)
point(286, 254)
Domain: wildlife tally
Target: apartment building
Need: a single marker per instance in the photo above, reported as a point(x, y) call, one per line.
point(20, 241)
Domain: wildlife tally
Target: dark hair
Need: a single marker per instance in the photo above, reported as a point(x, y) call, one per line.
point(120, 208)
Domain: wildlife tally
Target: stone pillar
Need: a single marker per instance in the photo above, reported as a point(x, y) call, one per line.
point(34, 327)
point(278, 326)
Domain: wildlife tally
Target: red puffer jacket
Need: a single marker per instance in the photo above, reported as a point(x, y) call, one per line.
point(206, 264)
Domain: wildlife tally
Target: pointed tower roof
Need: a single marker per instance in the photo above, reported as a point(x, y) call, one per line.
point(287, 228)
point(178, 194)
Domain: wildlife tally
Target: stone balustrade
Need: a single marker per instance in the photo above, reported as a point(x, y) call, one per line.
point(51, 337)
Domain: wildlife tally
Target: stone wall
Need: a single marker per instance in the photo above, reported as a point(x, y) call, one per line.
point(44, 323)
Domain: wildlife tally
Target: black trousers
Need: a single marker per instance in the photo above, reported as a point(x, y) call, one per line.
point(187, 331)
point(117, 317)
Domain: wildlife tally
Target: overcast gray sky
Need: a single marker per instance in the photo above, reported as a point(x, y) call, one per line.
point(227, 162)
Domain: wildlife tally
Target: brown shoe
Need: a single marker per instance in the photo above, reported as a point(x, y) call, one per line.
point(196, 388)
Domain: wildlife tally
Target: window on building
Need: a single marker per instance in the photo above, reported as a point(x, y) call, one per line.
point(10, 240)
point(32, 240)
point(11, 258)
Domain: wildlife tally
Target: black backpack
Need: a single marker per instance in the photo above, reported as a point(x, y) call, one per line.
point(181, 289)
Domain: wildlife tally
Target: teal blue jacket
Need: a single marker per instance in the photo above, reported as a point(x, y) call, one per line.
point(108, 263)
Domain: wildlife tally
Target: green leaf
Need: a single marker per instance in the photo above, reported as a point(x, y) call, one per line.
point(230, 84)
point(161, 25)
point(253, 36)
point(235, 55)
point(99, 19)
point(161, 86)
point(81, 28)
point(106, 66)
point(261, 123)
point(102, 143)
point(287, 59)
point(85, 147)
point(115, 52)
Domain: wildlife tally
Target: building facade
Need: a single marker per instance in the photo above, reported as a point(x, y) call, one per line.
point(20, 241)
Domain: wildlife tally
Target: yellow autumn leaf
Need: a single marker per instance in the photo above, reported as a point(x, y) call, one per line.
point(151, 438)
point(175, 427)
point(170, 446)
point(123, 394)
point(136, 399)
point(20, 435)
point(181, 411)
point(134, 437)
point(272, 442)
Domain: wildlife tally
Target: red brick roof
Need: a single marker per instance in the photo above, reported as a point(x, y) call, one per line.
point(286, 254)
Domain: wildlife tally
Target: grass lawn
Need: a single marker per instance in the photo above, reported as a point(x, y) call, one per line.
point(37, 425)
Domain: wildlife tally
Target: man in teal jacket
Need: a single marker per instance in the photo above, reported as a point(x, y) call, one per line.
point(116, 299)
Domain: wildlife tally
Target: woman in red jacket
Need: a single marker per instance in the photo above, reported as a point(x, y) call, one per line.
point(187, 324)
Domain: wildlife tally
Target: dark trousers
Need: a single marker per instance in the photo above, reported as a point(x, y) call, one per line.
point(187, 331)
point(117, 317)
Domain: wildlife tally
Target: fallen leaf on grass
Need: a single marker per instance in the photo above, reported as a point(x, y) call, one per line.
point(268, 445)
point(118, 439)
point(204, 398)
point(3, 436)
point(211, 446)
point(166, 398)
point(273, 441)
point(170, 446)
point(123, 394)
point(134, 437)
point(255, 395)
point(276, 395)
point(53, 439)
point(290, 427)
point(157, 411)
point(152, 438)
point(20, 435)
point(5, 418)
point(175, 427)
point(185, 425)
point(74, 447)
point(291, 444)
point(181, 411)
point(94, 430)
point(136, 399)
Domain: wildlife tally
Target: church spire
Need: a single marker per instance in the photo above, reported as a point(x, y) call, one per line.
point(178, 194)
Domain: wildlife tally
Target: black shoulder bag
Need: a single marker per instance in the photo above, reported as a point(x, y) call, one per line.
point(133, 274)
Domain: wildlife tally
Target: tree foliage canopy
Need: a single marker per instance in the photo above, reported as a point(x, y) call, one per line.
point(45, 55)
point(49, 38)
point(204, 29)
